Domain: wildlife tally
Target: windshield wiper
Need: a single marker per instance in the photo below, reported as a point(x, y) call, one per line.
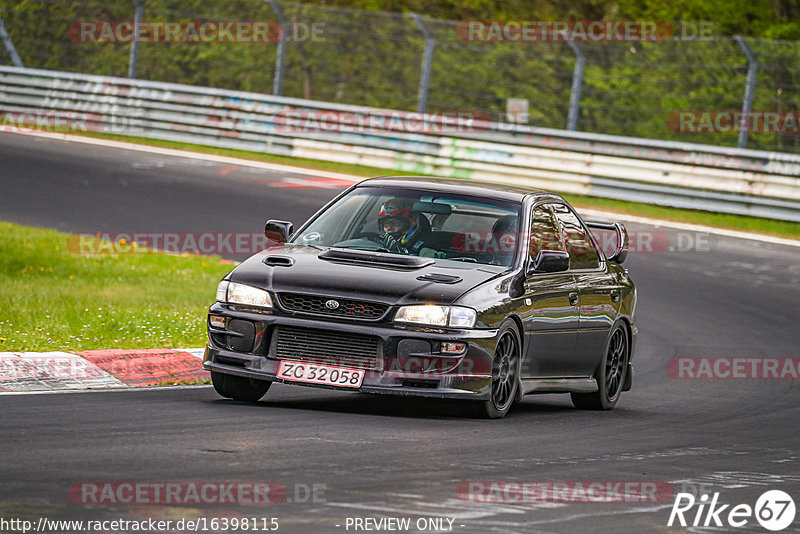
point(471, 260)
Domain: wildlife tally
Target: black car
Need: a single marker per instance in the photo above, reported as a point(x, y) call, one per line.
point(435, 288)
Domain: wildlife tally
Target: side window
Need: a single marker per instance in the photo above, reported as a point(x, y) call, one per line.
point(544, 232)
point(582, 252)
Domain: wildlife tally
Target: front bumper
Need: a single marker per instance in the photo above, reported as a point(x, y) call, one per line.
point(407, 360)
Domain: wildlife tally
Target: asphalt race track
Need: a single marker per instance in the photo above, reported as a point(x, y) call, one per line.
point(374, 457)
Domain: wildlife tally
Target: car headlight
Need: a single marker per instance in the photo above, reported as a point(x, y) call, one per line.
point(234, 293)
point(456, 316)
point(222, 291)
point(462, 317)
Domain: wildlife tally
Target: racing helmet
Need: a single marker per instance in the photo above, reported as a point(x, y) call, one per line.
point(400, 210)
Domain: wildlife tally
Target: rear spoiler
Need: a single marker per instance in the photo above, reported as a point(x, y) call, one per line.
point(621, 250)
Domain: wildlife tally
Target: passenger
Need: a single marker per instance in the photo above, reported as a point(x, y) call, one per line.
point(504, 231)
point(403, 231)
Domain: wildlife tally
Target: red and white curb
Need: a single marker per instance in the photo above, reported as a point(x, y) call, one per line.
point(99, 369)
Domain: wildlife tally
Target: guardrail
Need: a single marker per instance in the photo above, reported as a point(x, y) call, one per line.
point(726, 180)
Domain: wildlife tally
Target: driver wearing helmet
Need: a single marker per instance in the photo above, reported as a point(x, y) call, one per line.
point(403, 231)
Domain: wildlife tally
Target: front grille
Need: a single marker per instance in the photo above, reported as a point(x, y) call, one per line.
point(326, 347)
point(316, 305)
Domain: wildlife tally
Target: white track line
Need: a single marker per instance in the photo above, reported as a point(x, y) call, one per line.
point(194, 155)
point(197, 353)
point(324, 174)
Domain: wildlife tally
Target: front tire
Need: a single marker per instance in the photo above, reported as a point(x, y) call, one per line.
point(505, 376)
point(238, 387)
point(610, 376)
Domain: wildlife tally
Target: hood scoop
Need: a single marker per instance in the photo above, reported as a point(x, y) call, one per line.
point(377, 259)
point(440, 278)
point(279, 261)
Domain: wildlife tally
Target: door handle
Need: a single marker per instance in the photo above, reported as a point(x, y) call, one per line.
point(614, 295)
point(573, 299)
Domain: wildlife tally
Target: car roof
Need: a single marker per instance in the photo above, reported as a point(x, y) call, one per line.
point(469, 187)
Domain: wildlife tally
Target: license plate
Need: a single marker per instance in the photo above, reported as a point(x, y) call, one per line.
point(320, 374)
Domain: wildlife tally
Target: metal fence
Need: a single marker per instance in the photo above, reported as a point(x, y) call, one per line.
point(408, 62)
point(726, 180)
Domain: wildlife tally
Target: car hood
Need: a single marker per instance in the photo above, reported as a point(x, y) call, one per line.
point(300, 269)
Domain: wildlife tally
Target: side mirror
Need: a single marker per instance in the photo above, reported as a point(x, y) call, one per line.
point(550, 261)
point(517, 287)
point(278, 231)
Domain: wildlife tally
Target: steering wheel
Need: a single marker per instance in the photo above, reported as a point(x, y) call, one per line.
point(372, 236)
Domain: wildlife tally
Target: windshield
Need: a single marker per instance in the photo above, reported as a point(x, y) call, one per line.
point(402, 221)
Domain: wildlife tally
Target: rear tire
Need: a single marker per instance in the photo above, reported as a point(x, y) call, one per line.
point(610, 376)
point(505, 377)
point(238, 387)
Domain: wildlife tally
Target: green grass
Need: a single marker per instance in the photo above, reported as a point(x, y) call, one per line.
point(719, 220)
point(54, 299)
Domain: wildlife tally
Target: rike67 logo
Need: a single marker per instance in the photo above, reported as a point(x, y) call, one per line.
point(774, 510)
